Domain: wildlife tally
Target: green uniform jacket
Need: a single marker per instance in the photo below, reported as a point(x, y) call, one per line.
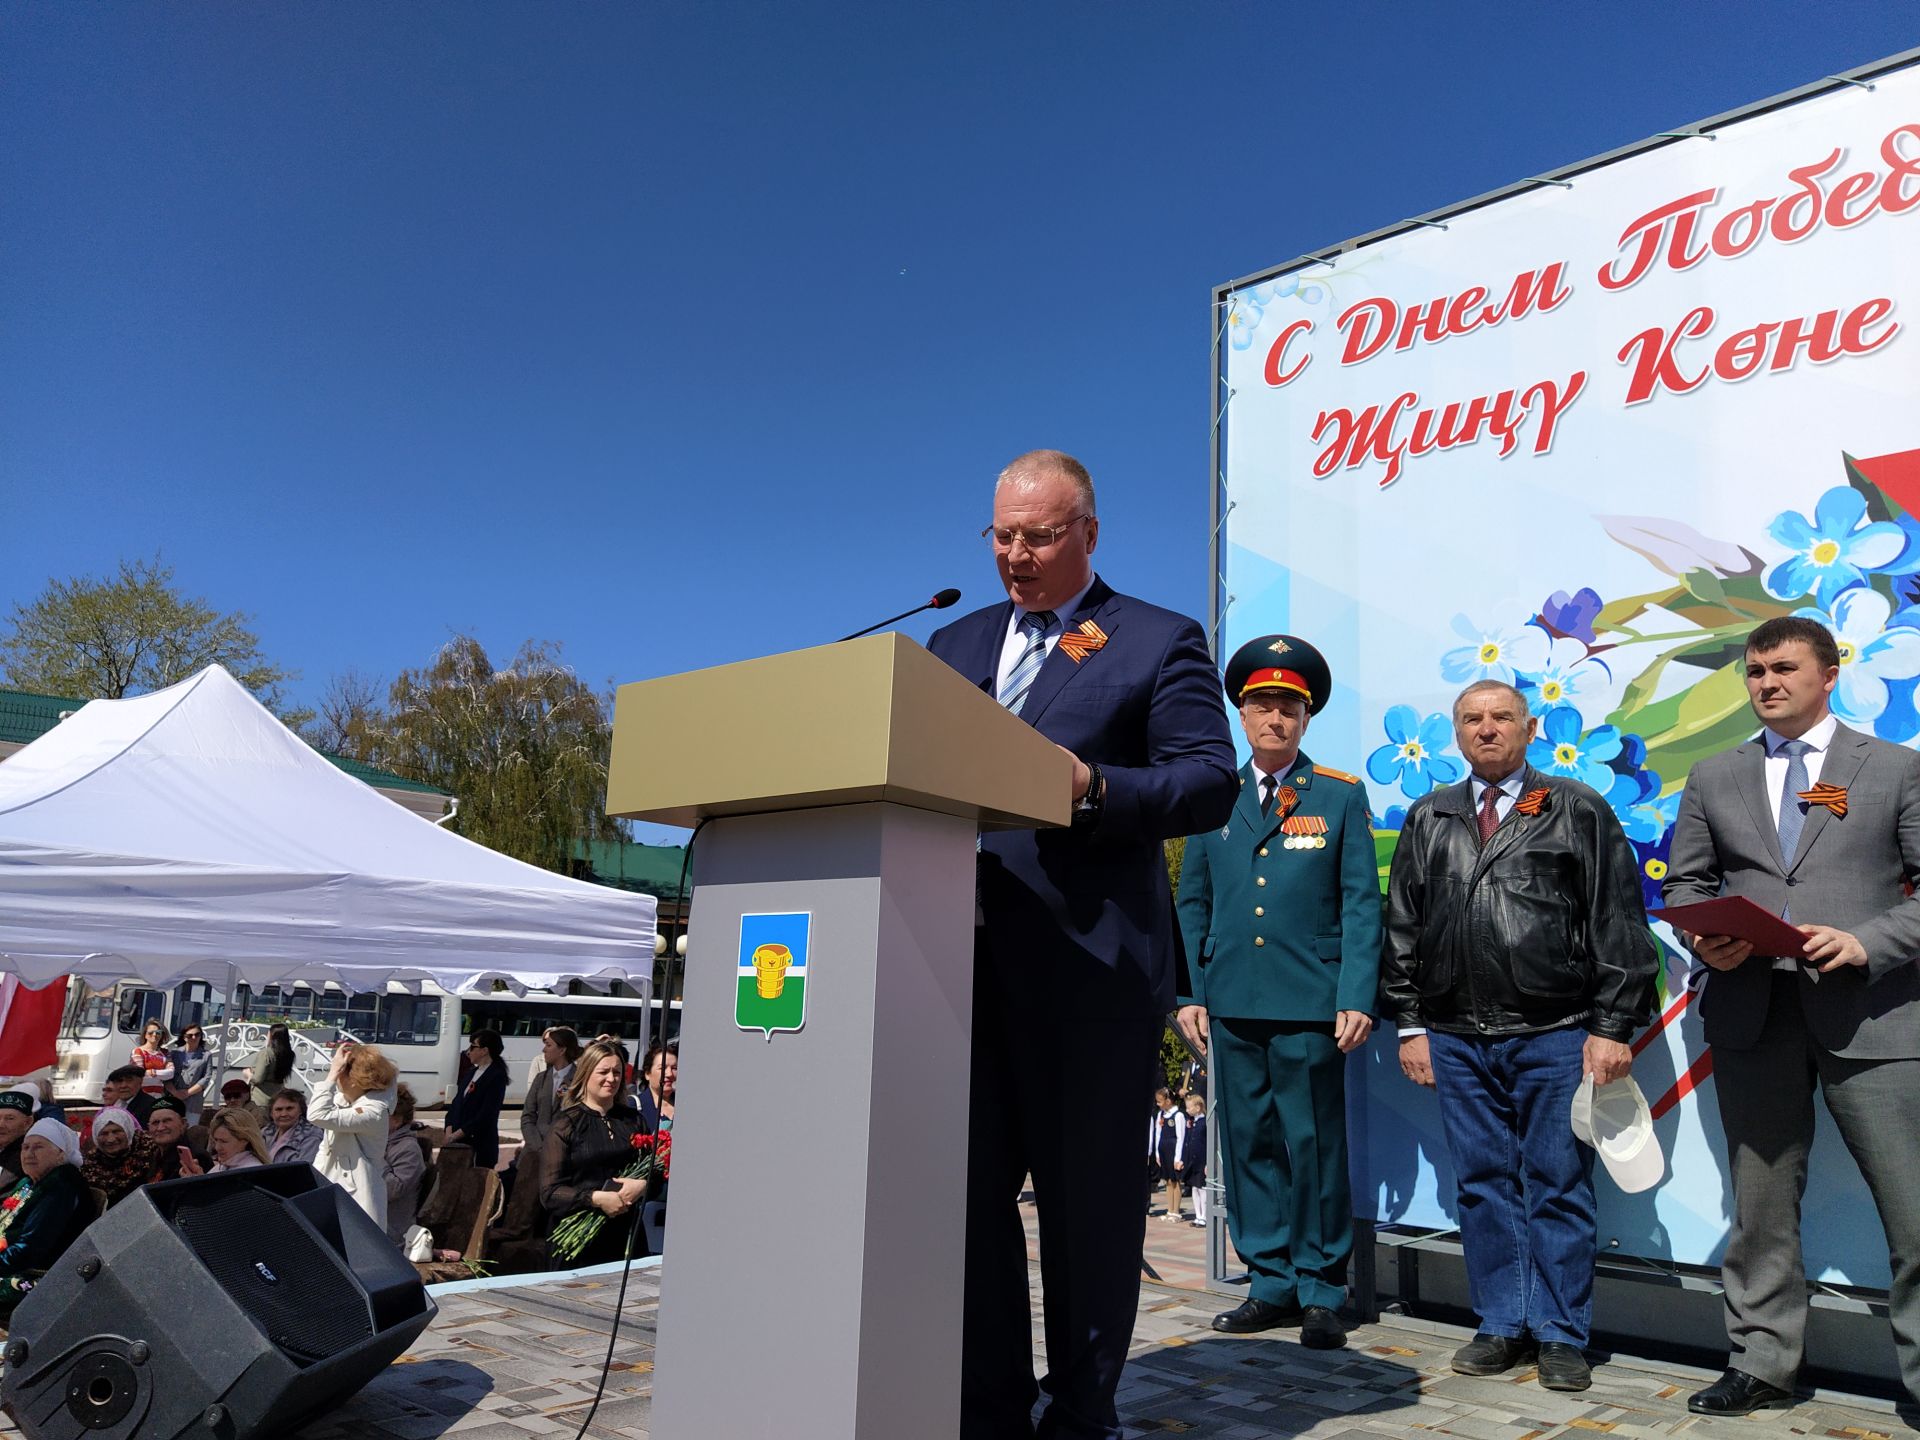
point(1274, 933)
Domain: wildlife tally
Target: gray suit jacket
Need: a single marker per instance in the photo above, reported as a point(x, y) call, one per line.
point(1852, 873)
point(538, 1110)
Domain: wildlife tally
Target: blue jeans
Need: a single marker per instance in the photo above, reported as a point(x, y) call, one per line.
point(1526, 1184)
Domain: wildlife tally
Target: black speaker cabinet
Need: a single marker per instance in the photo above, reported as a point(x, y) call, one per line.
point(220, 1307)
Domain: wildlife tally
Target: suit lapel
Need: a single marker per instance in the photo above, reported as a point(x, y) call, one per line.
point(988, 646)
point(1750, 775)
point(1098, 605)
point(1246, 808)
point(1846, 753)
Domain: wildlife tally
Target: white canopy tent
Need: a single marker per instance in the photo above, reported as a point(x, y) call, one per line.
point(188, 833)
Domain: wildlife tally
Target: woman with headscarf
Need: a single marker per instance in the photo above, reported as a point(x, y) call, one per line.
point(124, 1156)
point(290, 1135)
point(352, 1106)
point(271, 1067)
point(43, 1212)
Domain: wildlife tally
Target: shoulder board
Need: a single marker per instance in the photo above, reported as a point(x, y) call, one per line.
point(1336, 774)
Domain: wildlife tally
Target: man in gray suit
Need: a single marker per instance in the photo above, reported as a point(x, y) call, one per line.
point(1819, 824)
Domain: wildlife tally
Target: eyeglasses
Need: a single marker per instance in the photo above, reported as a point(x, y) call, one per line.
point(1034, 537)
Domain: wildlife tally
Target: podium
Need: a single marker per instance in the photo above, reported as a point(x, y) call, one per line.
point(813, 1290)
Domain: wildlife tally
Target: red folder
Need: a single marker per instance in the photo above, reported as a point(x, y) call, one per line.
point(1739, 917)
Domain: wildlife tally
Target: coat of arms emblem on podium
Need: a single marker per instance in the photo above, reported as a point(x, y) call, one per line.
point(771, 990)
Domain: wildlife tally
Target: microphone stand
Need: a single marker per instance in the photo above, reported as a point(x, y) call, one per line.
point(933, 604)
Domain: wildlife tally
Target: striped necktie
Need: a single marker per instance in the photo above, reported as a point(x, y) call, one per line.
point(1035, 624)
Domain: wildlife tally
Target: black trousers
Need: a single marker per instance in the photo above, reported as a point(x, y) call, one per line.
point(1059, 1098)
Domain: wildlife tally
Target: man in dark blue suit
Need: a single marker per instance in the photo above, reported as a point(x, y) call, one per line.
point(1075, 950)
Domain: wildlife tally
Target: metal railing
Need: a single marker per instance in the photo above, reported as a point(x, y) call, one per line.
point(243, 1040)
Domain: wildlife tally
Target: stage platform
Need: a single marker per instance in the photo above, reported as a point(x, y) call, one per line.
point(518, 1357)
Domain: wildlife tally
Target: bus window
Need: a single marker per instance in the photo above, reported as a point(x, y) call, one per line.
point(137, 1006)
point(89, 1012)
point(407, 1020)
point(190, 1000)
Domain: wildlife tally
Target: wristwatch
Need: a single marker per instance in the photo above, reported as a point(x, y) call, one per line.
point(1086, 810)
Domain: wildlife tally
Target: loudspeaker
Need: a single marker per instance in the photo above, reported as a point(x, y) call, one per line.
point(219, 1307)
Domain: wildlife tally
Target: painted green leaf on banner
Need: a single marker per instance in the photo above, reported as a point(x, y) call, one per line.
point(1702, 720)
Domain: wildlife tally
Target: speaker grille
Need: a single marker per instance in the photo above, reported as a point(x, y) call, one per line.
point(274, 1269)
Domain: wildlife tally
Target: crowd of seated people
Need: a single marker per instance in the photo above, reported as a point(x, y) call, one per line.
point(358, 1128)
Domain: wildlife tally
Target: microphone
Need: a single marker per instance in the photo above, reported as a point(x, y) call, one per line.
point(946, 597)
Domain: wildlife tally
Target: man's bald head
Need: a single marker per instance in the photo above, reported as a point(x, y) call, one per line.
point(1044, 529)
point(1035, 464)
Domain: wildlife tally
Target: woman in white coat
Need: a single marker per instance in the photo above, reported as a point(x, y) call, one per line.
point(351, 1106)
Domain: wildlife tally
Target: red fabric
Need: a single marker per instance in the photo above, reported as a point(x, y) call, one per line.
point(1898, 474)
point(31, 1026)
point(1489, 813)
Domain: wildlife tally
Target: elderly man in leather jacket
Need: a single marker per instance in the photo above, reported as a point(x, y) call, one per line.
point(1517, 959)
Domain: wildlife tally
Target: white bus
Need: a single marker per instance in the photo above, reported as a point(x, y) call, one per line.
point(423, 1034)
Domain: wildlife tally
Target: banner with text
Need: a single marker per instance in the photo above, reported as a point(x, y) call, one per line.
point(1584, 439)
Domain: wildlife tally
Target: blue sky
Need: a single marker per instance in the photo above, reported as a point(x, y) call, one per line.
point(683, 332)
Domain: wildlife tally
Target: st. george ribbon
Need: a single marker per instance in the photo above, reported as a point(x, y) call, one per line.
point(939, 602)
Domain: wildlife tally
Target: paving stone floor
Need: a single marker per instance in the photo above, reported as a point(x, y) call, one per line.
point(508, 1363)
point(505, 1364)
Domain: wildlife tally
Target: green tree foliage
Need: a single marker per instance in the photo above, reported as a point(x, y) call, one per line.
point(131, 632)
point(1173, 1050)
point(523, 748)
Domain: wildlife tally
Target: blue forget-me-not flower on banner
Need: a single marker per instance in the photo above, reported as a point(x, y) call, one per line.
point(1412, 757)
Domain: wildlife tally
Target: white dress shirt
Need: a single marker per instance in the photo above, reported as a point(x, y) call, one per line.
point(1260, 778)
point(1509, 789)
point(1015, 644)
point(1819, 738)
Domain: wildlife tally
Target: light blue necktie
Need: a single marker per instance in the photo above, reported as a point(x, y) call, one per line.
point(1020, 679)
point(1793, 815)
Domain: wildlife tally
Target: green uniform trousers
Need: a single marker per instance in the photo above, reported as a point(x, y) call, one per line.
point(1280, 1093)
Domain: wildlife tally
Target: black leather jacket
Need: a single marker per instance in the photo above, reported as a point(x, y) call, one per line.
point(1543, 928)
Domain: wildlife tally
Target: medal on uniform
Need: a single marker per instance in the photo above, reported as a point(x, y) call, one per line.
point(1304, 832)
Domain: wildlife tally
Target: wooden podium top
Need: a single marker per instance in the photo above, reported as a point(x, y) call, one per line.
point(863, 720)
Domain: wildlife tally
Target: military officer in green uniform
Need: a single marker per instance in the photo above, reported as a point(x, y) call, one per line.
point(1280, 911)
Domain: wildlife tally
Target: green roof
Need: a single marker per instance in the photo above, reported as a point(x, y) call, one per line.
point(25, 717)
point(378, 778)
point(628, 865)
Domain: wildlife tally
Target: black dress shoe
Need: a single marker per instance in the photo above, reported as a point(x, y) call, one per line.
point(1251, 1316)
point(1738, 1393)
point(1563, 1367)
point(1490, 1354)
point(1321, 1329)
